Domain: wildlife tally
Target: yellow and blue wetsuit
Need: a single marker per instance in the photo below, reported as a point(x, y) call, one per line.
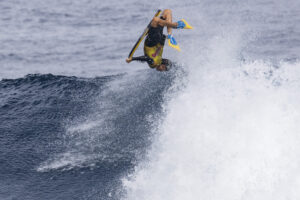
point(153, 48)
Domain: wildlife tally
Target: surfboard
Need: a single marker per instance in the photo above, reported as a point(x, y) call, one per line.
point(138, 42)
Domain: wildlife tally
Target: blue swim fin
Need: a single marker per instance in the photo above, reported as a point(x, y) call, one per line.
point(182, 24)
point(172, 43)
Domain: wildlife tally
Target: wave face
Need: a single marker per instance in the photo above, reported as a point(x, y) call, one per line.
point(77, 122)
point(72, 138)
point(233, 131)
point(232, 134)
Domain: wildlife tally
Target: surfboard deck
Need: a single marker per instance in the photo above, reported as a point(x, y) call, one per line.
point(138, 42)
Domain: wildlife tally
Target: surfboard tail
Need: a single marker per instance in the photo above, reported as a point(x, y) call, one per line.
point(187, 26)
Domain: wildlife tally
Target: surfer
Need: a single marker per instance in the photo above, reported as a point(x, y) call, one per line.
point(155, 40)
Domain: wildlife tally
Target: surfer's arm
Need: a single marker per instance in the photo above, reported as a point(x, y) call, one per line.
point(157, 21)
point(142, 59)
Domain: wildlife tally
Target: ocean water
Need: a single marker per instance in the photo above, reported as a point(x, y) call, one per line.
point(78, 122)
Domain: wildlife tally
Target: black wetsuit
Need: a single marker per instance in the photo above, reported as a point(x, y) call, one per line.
point(155, 36)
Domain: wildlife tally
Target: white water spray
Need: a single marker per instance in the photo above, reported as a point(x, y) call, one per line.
point(232, 134)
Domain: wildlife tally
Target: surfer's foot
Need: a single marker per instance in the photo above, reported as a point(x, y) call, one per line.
point(172, 39)
point(172, 42)
point(128, 60)
point(182, 24)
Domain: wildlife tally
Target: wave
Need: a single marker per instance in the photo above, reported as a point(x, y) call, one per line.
point(97, 122)
point(57, 125)
point(231, 134)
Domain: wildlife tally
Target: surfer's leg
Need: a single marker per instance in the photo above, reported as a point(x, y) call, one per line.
point(166, 21)
point(167, 15)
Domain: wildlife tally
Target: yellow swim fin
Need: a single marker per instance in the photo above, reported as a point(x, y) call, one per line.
point(174, 46)
point(172, 43)
point(187, 26)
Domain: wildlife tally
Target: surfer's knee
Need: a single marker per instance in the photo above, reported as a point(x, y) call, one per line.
point(155, 21)
point(167, 12)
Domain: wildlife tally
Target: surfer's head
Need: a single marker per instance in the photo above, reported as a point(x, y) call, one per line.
point(162, 67)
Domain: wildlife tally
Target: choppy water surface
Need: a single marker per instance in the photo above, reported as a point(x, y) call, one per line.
point(77, 122)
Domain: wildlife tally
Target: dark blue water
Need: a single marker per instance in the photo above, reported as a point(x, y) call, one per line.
point(78, 122)
point(34, 113)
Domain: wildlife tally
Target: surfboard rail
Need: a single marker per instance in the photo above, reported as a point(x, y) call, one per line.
point(138, 42)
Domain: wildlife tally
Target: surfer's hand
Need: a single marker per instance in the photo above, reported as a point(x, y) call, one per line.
point(128, 60)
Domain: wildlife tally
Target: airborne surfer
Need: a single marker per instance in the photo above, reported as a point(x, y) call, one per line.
point(155, 40)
